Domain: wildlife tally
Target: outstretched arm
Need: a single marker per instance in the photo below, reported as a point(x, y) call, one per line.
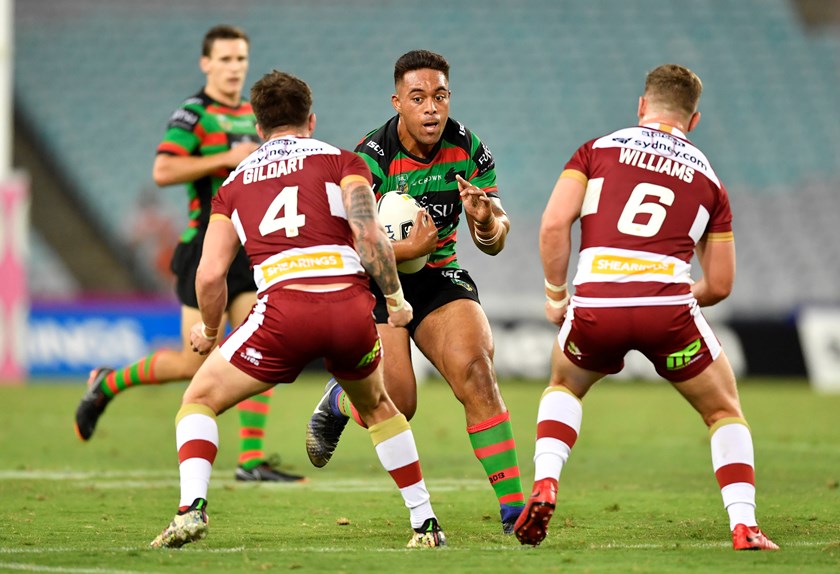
point(374, 247)
point(172, 169)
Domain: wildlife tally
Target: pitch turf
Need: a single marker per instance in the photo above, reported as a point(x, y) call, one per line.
point(637, 496)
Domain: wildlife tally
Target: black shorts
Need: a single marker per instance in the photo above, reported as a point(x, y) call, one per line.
point(240, 277)
point(427, 290)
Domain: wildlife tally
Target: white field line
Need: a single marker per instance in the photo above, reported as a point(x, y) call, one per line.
point(164, 479)
point(23, 567)
point(197, 549)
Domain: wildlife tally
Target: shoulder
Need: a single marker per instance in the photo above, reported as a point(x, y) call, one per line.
point(460, 136)
point(381, 143)
point(457, 134)
point(189, 113)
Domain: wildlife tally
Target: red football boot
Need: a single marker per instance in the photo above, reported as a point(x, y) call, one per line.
point(751, 538)
point(532, 525)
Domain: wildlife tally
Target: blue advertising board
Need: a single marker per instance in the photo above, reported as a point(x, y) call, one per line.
point(69, 339)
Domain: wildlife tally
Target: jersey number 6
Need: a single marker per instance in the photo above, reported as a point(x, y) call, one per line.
point(637, 205)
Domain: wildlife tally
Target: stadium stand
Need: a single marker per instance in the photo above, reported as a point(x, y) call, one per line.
point(532, 78)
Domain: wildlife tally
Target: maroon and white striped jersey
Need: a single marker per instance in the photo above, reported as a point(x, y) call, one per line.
point(284, 201)
point(651, 195)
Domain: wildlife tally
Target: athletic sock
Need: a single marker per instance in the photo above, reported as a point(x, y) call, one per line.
point(734, 465)
point(340, 405)
point(253, 414)
point(493, 444)
point(558, 425)
point(394, 444)
point(139, 373)
point(197, 438)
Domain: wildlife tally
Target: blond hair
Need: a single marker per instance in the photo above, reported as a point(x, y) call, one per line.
point(673, 88)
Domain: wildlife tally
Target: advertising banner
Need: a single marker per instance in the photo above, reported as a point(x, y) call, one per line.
point(70, 339)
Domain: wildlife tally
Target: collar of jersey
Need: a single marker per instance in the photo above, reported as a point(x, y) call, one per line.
point(669, 129)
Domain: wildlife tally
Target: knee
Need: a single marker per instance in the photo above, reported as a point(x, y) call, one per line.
point(203, 395)
point(477, 381)
point(198, 398)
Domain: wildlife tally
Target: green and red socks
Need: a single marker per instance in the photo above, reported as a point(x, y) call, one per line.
point(253, 414)
point(139, 373)
point(341, 406)
point(494, 446)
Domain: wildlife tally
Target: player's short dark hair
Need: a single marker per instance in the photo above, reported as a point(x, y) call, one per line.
point(221, 32)
point(674, 87)
point(420, 60)
point(281, 99)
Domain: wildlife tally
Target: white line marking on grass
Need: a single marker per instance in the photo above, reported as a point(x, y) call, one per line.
point(85, 475)
point(138, 479)
point(198, 549)
point(39, 568)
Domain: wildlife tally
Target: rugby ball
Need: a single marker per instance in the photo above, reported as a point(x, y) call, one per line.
point(397, 212)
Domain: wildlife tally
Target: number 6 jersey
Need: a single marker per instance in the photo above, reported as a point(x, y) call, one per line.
point(285, 203)
point(651, 195)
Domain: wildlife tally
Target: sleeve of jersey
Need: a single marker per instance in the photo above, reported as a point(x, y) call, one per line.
point(374, 172)
point(220, 207)
point(578, 166)
point(484, 176)
point(720, 220)
point(354, 167)
point(182, 136)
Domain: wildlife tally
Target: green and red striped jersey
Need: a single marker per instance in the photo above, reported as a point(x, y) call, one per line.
point(201, 127)
point(431, 181)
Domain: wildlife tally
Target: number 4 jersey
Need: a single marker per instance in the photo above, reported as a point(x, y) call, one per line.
point(285, 203)
point(651, 195)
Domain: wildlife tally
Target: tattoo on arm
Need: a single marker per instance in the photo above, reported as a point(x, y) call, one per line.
point(372, 244)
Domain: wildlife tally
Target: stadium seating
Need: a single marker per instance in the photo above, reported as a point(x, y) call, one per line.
point(533, 78)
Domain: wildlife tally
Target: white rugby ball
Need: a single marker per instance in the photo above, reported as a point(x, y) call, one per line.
point(397, 212)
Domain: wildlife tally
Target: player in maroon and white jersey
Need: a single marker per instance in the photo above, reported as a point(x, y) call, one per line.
point(647, 200)
point(305, 214)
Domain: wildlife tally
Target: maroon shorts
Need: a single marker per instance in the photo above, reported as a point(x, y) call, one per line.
point(675, 338)
point(288, 329)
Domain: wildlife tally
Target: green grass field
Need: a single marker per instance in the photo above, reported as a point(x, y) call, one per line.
point(638, 494)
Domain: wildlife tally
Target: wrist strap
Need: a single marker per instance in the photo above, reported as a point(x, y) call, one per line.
point(557, 304)
point(555, 288)
point(398, 297)
point(206, 336)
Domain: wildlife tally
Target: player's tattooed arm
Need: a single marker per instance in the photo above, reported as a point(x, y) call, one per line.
point(371, 242)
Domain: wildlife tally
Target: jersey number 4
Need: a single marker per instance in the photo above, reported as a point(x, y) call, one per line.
point(291, 221)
